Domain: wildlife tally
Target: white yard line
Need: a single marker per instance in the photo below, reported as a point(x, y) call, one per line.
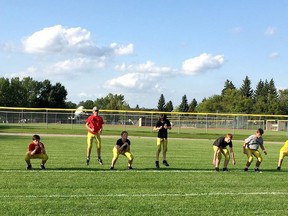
point(147, 195)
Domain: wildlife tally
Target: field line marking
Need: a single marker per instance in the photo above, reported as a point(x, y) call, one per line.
point(147, 195)
point(106, 171)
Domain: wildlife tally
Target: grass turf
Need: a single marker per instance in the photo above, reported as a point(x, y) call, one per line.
point(188, 187)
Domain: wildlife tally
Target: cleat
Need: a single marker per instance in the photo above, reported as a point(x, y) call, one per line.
point(217, 169)
point(130, 167)
point(42, 167)
point(100, 161)
point(157, 164)
point(246, 169)
point(29, 167)
point(278, 168)
point(111, 168)
point(87, 161)
point(257, 170)
point(225, 170)
point(165, 163)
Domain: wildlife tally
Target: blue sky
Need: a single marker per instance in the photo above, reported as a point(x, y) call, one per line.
point(143, 49)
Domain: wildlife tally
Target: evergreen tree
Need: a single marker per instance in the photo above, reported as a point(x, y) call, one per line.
point(228, 85)
point(161, 103)
point(183, 107)
point(245, 89)
point(192, 105)
point(169, 106)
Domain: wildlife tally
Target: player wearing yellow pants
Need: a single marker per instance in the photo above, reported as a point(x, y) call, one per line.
point(36, 149)
point(250, 148)
point(122, 147)
point(162, 126)
point(283, 153)
point(220, 147)
point(94, 124)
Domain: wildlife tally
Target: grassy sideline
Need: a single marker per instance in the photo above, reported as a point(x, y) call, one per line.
point(188, 187)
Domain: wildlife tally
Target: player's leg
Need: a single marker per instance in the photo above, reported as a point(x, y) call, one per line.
point(249, 159)
point(130, 159)
point(165, 148)
point(98, 144)
point(218, 157)
point(158, 150)
point(225, 152)
point(90, 138)
point(281, 158)
point(28, 160)
point(257, 154)
point(115, 157)
point(44, 158)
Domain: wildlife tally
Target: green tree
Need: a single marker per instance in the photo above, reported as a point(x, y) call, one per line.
point(88, 104)
point(112, 102)
point(183, 107)
point(5, 96)
point(245, 89)
point(211, 104)
point(57, 96)
point(161, 103)
point(192, 105)
point(228, 85)
point(283, 101)
point(169, 106)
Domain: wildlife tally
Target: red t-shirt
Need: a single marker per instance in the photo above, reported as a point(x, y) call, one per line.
point(32, 146)
point(95, 122)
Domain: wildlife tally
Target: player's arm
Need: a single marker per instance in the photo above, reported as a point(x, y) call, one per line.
point(157, 128)
point(128, 148)
point(35, 149)
point(120, 149)
point(263, 149)
point(42, 148)
point(87, 125)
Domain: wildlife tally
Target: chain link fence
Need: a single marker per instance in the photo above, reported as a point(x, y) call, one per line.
point(29, 116)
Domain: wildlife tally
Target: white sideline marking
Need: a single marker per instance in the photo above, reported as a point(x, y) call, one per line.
point(106, 171)
point(144, 195)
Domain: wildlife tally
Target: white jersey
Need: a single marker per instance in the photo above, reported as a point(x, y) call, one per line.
point(253, 143)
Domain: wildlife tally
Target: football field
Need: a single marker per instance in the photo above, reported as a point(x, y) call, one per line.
point(190, 186)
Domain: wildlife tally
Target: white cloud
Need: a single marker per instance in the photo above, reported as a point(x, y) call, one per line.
point(147, 67)
point(274, 55)
point(270, 31)
point(202, 63)
point(121, 49)
point(139, 76)
point(237, 29)
point(67, 68)
point(57, 39)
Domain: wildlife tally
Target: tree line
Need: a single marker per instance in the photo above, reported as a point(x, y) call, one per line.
point(264, 99)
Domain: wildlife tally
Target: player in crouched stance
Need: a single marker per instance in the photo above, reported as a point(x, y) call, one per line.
point(122, 147)
point(250, 148)
point(220, 147)
point(283, 153)
point(36, 149)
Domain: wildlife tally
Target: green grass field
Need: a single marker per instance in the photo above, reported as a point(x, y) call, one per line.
point(190, 186)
